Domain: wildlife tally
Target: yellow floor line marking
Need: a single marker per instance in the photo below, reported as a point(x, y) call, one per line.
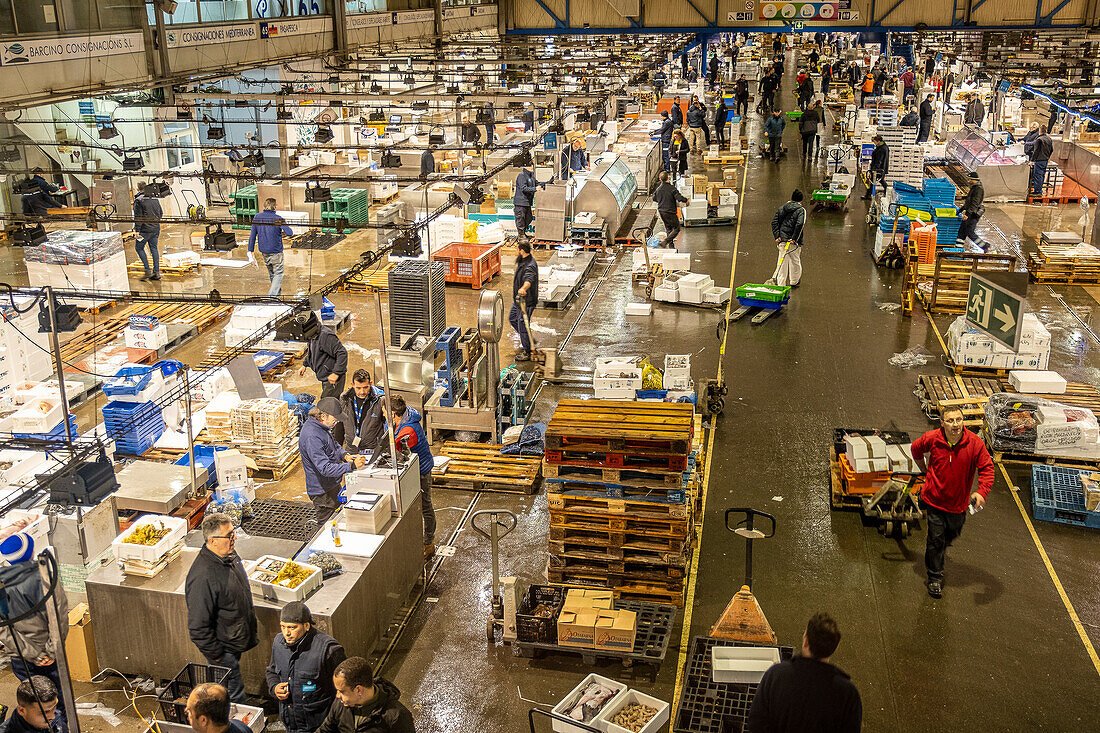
point(1089, 648)
point(689, 600)
point(1050, 570)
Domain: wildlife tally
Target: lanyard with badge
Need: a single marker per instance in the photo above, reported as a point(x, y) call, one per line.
point(358, 418)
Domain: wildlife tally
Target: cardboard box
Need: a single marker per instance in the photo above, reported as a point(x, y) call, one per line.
point(699, 184)
point(592, 598)
point(504, 189)
point(231, 466)
point(577, 627)
point(864, 446)
point(489, 205)
point(713, 195)
point(80, 645)
point(615, 630)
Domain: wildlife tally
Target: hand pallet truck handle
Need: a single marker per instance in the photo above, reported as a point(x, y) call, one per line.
point(572, 723)
point(747, 522)
point(506, 526)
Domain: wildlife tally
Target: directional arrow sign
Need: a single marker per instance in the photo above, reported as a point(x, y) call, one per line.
point(995, 311)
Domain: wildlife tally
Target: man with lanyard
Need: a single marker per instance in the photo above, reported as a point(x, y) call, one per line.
point(303, 660)
point(787, 227)
point(364, 423)
point(949, 458)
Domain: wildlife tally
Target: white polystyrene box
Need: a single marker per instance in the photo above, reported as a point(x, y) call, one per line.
point(633, 697)
point(150, 553)
point(562, 723)
point(1031, 382)
point(741, 664)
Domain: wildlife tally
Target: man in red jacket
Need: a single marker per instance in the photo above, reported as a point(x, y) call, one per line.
point(949, 458)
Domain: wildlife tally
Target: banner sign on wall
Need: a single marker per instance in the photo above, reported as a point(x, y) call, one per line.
point(799, 10)
point(210, 35)
point(413, 16)
point(63, 49)
point(281, 28)
point(370, 20)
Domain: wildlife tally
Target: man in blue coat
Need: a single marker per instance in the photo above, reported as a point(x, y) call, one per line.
point(524, 199)
point(410, 436)
point(574, 158)
point(299, 676)
point(323, 460)
point(268, 229)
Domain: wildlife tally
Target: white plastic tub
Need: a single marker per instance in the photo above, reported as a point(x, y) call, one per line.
point(741, 664)
point(150, 553)
point(31, 419)
point(633, 697)
point(278, 593)
point(562, 723)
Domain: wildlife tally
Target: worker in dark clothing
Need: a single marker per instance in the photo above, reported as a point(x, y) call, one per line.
point(303, 661)
point(324, 462)
point(975, 112)
point(38, 709)
point(470, 133)
point(948, 87)
point(815, 58)
point(207, 710)
point(908, 81)
point(706, 124)
point(741, 96)
point(855, 75)
point(692, 75)
point(523, 199)
point(777, 44)
point(147, 216)
point(665, 197)
point(427, 164)
point(773, 130)
point(768, 86)
point(37, 203)
point(666, 137)
point(574, 158)
point(807, 693)
point(1029, 139)
point(807, 127)
point(678, 151)
point(910, 119)
point(880, 165)
point(660, 79)
point(676, 113)
point(364, 422)
point(1040, 157)
point(695, 118)
point(950, 458)
point(788, 227)
point(328, 359)
point(46, 187)
point(220, 617)
point(929, 67)
point(489, 119)
point(777, 65)
point(721, 111)
point(805, 93)
point(529, 119)
point(525, 295)
point(268, 230)
point(365, 703)
point(926, 113)
point(826, 79)
point(971, 212)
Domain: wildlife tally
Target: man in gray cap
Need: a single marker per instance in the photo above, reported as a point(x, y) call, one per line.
point(323, 460)
point(303, 661)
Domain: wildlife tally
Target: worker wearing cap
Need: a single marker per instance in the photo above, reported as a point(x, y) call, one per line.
point(303, 660)
point(327, 356)
point(409, 436)
point(950, 457)
point(323, 460)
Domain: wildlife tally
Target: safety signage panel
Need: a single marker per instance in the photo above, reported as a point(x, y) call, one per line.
point(799, 10)
point(995, 310)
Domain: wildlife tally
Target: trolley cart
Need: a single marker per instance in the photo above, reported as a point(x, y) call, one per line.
point(894, 507)
point(767, 299)
point(500, 522)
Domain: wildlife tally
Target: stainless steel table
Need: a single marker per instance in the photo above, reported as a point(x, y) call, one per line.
point(140, 624)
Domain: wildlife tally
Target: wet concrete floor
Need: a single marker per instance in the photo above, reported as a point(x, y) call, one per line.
point(998, 652)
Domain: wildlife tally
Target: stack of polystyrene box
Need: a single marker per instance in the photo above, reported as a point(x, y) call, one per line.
point(24, 352)
point(692, 286)
point(970, 347)
point(716, 295)
point(616, 378)
point(866, 453)
point(677, 371)
point(669, 289)
point(670, 260)
point(247, 319)
point(727, 202)
point(79, 259)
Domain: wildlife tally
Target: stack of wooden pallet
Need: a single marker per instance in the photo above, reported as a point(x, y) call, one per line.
point(481, 467)
point(621, 479)
point(1059, 263)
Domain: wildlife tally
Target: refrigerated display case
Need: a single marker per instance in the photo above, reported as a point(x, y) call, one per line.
point(608, 191)
point(1003, 174)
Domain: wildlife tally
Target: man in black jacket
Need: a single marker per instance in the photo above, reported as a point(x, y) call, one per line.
point(721, 112)
point(364, 423)
point(37, 707)
point(788, 226)
point(470, 132)
point(975, 111)
point(147, 216)
point(695, 119)
point(303, 662)
point(807, 126)
point(741, 96)
point(926, 113)
point(768, 85)
point(1041, 151)
point(971, 212)
point(676, 113)
point(880, 165)
point(328, 359)
point(666, 197)
point(220, 617)
point(525, 296)
point(365, 703)
point(807, 693)
point(523, 199)
point(666, 137)
point(427, 164)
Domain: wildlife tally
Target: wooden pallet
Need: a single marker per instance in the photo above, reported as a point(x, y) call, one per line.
point(579, 533)
point(481, 467)
point(1077, 394)
point(635, 427)
point(1030, 458)
point(618, 459)
point(617, 570)
point(967, 393)
point(201, 316)
point(642, 479)
point(377, 279)
point(838, 497)
point(723, 160)
point(671, 591)
point(1066, 271)
point(617, 555)
point(595, 506)
point(95, 310)
point(596, 489)
point(951, 278)
point(136, 268)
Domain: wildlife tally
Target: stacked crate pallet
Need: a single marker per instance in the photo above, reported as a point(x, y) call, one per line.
point(1061, 263)
point(263, 431)
point(622, 480)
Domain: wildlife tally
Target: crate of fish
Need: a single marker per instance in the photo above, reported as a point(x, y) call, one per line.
point(584, 703)
point(150, 538)
point(537, 616)
point(280, 580)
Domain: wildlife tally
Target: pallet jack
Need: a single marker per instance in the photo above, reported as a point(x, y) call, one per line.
point(894, 507)
point(744, 620)
point(546, 359)
point(500, 522)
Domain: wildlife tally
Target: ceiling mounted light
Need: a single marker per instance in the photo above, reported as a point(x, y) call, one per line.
point(283, 114)
point(376, 88)
point(409, 79)
point(107, 130)
point(324, 134)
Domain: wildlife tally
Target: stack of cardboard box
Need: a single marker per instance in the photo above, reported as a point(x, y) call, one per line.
point(588, 620)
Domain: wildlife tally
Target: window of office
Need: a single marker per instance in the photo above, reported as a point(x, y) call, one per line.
point(222, 10)
point(180, 151)
point(187, 11)
point(32, 16)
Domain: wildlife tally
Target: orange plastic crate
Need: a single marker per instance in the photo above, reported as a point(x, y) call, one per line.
point(861, 483)
point(469, 263)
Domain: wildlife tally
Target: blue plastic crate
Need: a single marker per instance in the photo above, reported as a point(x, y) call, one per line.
point(58, 431)
point(204, 457)
point(753, 303)
point(128, 381)
point(274, 359)
point(1058, 496)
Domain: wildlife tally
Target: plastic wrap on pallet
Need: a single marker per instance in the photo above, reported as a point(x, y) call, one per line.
point(74, 247)
point(1030, 424)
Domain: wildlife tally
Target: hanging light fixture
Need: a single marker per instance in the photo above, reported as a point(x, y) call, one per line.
point(324, 134)
point(107, 130)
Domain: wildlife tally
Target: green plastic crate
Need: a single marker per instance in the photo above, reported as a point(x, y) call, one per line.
point(794, 114)
point(767, 293)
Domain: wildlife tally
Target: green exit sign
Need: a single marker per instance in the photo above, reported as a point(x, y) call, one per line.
point(995, 310)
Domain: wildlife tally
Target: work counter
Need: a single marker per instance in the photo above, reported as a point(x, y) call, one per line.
point(140, 624)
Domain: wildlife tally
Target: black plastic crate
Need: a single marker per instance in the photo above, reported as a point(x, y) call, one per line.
point(536, 628)
point(279, 519)
point(707, 706)
point(173, 700)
